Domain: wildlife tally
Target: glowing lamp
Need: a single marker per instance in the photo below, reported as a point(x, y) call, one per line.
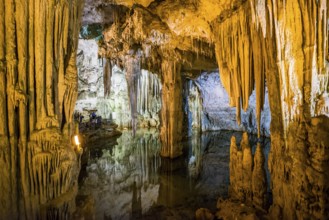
point(77, 142)
point(76, 139)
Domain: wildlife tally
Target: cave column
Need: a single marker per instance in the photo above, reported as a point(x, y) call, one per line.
point(172, 110)
point(38, 79)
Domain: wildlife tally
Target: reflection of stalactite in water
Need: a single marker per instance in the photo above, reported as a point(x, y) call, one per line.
point(195, 161)
point(247, 166)
point(131, 164)
point(236, 181)
point(136, 204)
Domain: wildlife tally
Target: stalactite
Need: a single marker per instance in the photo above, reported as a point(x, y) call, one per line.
point(49, 53)
point(31, 60)
point(39, 42)
point(31, 63)
point(5, 180)
point(133, 70)
point(148, 91)
point(11, 77)
point(22, 51)
point(288, 45)
point(107, 75)
point(245, 66)
point(3, 104)
point(194, 105)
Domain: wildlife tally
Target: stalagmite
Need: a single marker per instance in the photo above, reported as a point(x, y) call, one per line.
point(259, 182)
point(247, 173)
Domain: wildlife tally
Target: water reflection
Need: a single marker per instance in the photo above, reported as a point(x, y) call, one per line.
point(130, 180)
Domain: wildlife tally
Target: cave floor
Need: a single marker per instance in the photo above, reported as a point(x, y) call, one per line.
point(125, 177)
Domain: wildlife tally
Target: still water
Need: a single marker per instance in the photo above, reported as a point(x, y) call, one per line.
point(127, 179)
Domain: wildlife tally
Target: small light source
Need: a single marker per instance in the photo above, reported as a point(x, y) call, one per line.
point(77, 142)
point(76, 139)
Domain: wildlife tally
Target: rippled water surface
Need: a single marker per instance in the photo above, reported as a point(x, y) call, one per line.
point(127, 178)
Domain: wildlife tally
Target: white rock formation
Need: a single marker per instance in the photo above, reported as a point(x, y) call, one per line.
point(209, 107)
point(116, 105)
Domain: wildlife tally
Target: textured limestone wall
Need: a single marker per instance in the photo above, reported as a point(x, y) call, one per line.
point(110, 94)
point(286, 41)
point(38, 89)
point(209, 109)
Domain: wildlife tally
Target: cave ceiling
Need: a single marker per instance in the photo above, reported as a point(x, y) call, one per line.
point(177, 29)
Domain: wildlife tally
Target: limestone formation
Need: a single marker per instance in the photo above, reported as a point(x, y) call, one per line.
point(259, 181)
point(281, 45)
point(38, 90)
point(172, 110)
point(248, 182)
point(209, 107)
point(110, 97)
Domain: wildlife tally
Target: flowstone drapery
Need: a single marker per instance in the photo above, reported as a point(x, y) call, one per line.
point(38, 89)
point(288, 43)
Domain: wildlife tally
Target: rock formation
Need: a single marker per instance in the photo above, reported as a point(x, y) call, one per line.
point(38, 90)
point(259, 181)
point(107, 90)
point(284, 44)
point(172, 110)
point(209, 109)
point(248, 182)
point(281, 43)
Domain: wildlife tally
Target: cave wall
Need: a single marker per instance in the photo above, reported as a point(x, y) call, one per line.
point(112, 99)
point(38, 89)
point(288, 43)
point(209, 109)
